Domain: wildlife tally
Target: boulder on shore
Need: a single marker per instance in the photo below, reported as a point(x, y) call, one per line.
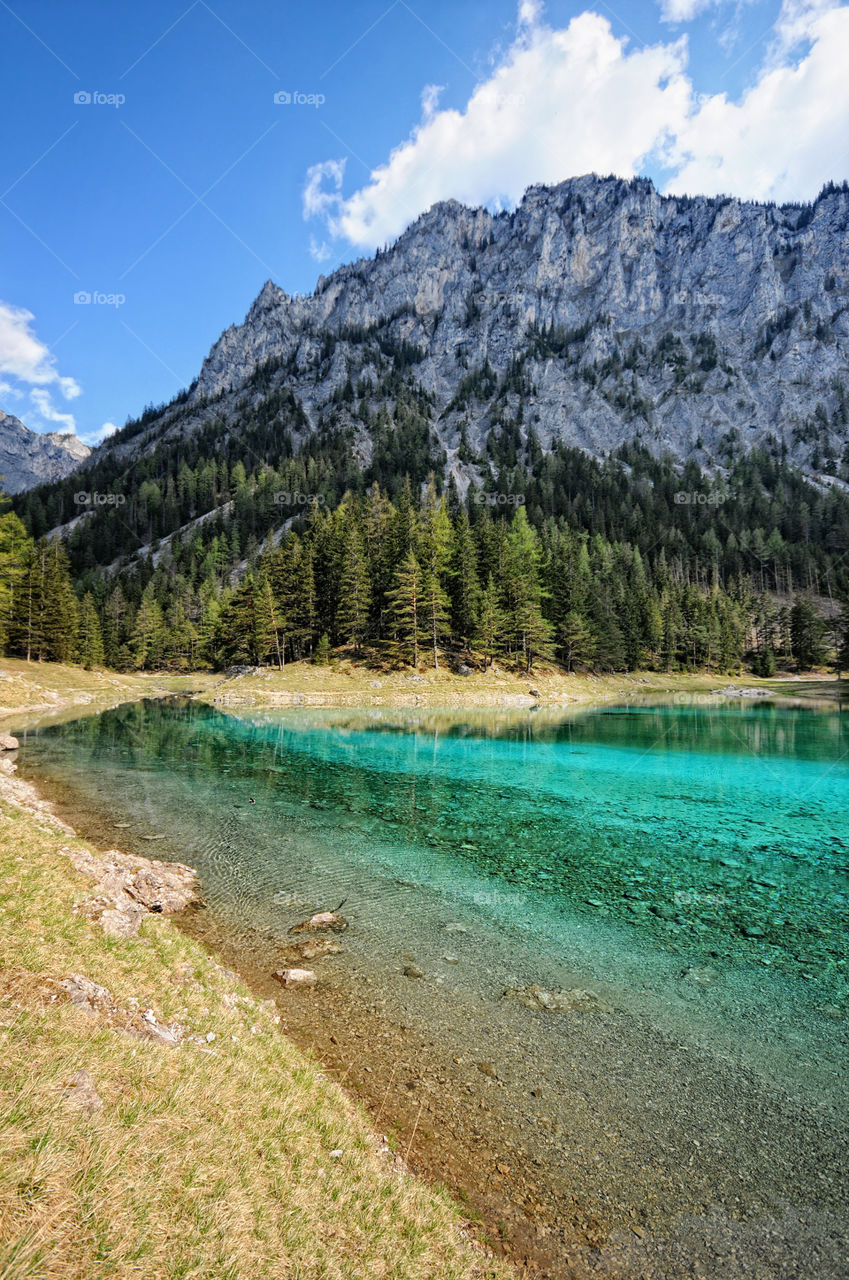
point(130, 887)
point(8, 742)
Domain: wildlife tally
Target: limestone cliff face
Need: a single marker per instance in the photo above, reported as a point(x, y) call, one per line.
point(28, 458)
point(608, 311)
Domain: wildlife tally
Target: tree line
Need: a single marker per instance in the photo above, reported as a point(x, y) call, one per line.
point(419, 579)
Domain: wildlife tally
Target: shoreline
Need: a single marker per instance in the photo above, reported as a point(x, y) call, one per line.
point(460, 1252)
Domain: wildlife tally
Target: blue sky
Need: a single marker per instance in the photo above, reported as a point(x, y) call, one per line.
point(146, 163)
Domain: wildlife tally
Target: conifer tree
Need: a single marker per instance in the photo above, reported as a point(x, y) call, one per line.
point(491, 622)
point(352, 613)
point(465, 586)
point(435, 536)
point(89, 641)
point(147, 643)
point(407, 608)
point(841, 659)
point(15, 546)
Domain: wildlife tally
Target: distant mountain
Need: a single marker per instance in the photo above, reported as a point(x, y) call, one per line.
point(28, 458)
point(598, 311)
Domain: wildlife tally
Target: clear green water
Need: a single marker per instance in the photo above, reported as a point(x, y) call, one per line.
point(723, 831)
point(690, 865)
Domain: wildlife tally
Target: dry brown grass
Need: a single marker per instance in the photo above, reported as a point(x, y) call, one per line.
point(212, 1159)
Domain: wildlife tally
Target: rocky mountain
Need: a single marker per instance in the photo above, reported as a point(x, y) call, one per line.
point(28, 458)
point(597, 313)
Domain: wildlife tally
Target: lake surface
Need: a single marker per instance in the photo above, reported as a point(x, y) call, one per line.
point(687, 866)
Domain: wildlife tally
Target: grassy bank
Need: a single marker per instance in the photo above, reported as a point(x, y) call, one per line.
point(345, 683)
point(227, 1155)
point(37, 692)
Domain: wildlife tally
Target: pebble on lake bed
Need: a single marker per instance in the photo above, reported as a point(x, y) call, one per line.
point(412, 971)
point(534, 997)
point(702, 975)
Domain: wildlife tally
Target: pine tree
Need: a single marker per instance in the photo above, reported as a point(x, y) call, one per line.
point(841, 660)
point(322, 651)
point(147, 643)
point(491, 622)
point(529, 629)
point(435, 537)
point(15, 547)
point(61, 609)
point(352, 613)
point(89, 640)
point(807, 632)
point(43, 621)
point(465, 586)
point(407, 607)
point(575, 640)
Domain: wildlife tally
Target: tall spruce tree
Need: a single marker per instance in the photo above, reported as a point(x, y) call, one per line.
point(352, 611)
point(408, 618)
point(89, 640)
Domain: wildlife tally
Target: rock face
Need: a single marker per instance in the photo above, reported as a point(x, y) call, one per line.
point(611, 312)
point(28, 458)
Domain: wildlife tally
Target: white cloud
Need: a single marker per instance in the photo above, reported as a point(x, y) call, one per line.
point(786, 137)
point(796, 24)
point(529, 12)
point(430, 99)
point(563, 102)
point(316, 199)
point(25, 357)
point(45, 408)
point(21, 353)
point(94, 438)
point(320, 250)
point(682, 10)
point(8, 392)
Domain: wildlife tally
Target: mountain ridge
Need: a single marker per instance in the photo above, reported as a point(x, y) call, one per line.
point(674, 319)
point(29, 458)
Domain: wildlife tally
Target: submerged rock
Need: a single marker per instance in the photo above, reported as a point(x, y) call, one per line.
point(315, 948)
point(534, 997)
point(412, 971)
point(321, 920)
point(296, 977)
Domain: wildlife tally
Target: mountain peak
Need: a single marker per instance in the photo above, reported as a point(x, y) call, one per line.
point(603, 312)
point(28, 458)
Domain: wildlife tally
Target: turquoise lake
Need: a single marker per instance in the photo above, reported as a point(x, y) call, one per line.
point(687, 864)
